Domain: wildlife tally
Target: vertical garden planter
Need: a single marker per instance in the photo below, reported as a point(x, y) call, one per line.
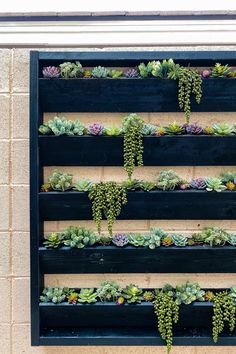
point(131, 324)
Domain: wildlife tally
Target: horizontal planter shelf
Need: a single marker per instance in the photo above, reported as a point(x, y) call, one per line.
point(142, 205)
point(131, 95)
point(110, 324)
point(158, 151)
point(111, 259)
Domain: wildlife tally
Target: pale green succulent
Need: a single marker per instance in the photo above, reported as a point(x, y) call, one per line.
point(149, 129)
point(60, 181)
point(153, 241)
point(188, 293)
point(55, 295)
point(228, 176)
point(112, 131)
point(163, 68)
point(223, 129)
point(214, 236)
point(147, 186)
point(100, 72)
point(44, 129)
point(232, 293)
point(71, 70)
point(220, 70)
point(214, 184)
point(54, 240)
point(146, 70)
point(133, 294)
point(179, 240)
point(62, 126)
point(168, 180)
point(84, 185)
point(138, 239)
point(79, 237)
point(232, 239)
point(115, 74)
point(158, 232)
point(87, 296)
point(174, 129)
point(109, 291)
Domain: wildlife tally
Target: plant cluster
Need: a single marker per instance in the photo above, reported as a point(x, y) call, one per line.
point(80, 237)
point(62, 126)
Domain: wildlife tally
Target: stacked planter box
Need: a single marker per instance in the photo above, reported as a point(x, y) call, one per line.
point(66, 324)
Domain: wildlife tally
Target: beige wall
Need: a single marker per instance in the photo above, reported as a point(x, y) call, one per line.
point(14, 217)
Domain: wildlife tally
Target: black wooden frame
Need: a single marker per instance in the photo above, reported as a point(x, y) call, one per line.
point(38, 160)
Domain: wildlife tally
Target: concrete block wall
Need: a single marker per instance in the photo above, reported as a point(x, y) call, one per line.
point(14, 215)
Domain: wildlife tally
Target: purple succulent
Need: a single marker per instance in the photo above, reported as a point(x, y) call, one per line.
point(120, 240)
point(193, 129)
point(96, 129)
point(198, 183)
point(206, 73)
point(51, 71)
point(131, 73)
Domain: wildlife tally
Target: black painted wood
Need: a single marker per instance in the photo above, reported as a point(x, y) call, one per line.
point(183, 150)
point(111, 315)
point(142, 205)
point(131, 95)
point(112, 259)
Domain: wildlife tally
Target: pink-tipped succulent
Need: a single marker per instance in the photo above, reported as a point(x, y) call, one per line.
point(131, 73)
point(198, 183)
point(51, 72)
point(194, 129)
point(206, 73)
point(184, 186)
point(96, 129)
point(120, 240)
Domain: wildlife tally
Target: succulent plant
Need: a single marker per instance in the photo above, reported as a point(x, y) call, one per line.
point(100, 72)
point(209, 296)
point(148, 296)
point(54, 240)
point(61, 126)
point(223, 129)
point(214, 184)
point(167, 241)
point(71, 70)
point(115, 74)
point(50, 72)
point(174, 129)
point(96, 129)
point(105, 239)
point(147, 185)
point(60, 181)
point(193, 129)
point(84, 185)
point(220, 70)
point(112, 131)
point(230, 186)
point(120, 300)
point(232, 239)
point(44, 129)
point(78, 128)
point(132, 73)
point(73, 298)
point(55, 295)
point(198, 183)
point(214, 236)
point(87, 74)
point(153, 240)
point(162, 69)
point(158, 232)
point(109, 291)
point(79, 237)
point(232, 293)
point(149, 129)
point(168, 180)
point(228, 176)
point(206, 73)
point(46, 187)
point(137, 239)
point(133, 294)
point(184, 185)
point(188, 293)
point(208, 131)
point(120, 240)
point(132, 184)
point(160, 131)
point(179, 240)
point(87, 296)
point(145, 70)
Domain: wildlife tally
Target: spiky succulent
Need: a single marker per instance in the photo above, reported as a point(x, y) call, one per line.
point(109, 291)
point(87, 296)
point(60, 181)
point(149, 129)
point(115, 74)
point(100, 72)
point(71, 70)
point(232, 239)
point(120, 240)
point(223, 129)
point(179, 240)
point(209, 296)
point(112, 131)
point(160, 131)
point(214, 184)
point(163, 69)
point(50, 72)
point(132, 184)
point(87, 74)
point(168, 180)
point(198, 183)
point(208, 130)
point(146, 70)
point(188, 293)
point(148, 296)
point(55, 295)
point(174, 129)
point(220, 70)
point(54, 240)
point(147, 186)
point(84, 185)
point(167, 241)
point(96, 129)
point(73, 298)
point(133, 294)
point(193, 129)
point(79, 237)
point(132, 73)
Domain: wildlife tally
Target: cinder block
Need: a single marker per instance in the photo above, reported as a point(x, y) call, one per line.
point(4, 210)
point(20, 161)
point(20, 70)
point(20, 254)
point(20, 208)
point(20, 300)
point(5, 338)
point(6, 299)
point(5, 60)
point(4, 161)
point(20, 116)
point(5, 116)
point(4, 254)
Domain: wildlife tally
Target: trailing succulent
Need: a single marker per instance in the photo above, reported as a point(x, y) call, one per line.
point(133, 142)
point(107, 199)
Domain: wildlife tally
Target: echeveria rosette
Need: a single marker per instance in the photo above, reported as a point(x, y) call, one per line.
point(193, 129)
point(50, 72)
point(120, 240)
point(132, 74)
point(198, 183)
point(96, 129)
